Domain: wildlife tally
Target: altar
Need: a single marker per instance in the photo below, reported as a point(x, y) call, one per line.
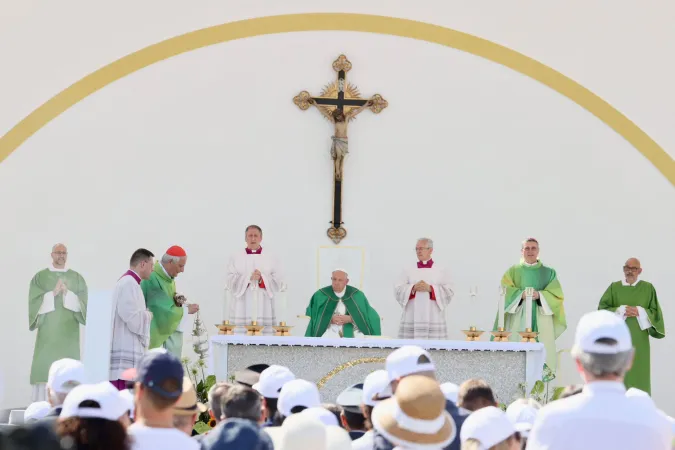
point(334, 364)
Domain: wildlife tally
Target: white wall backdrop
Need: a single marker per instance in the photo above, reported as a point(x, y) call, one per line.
point(191, 150)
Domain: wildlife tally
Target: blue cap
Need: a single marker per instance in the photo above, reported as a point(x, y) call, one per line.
point(157, 367)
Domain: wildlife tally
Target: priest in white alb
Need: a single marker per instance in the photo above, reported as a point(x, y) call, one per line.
point(131, 318)
point(423, 290)
point(253, 281)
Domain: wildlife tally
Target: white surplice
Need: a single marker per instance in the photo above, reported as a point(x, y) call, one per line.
point(130, 326)
point(423, 318)
point(239, 271)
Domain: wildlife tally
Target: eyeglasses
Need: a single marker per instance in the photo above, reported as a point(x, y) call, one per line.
point(60, 253)
point(630, 269)
point(417, 249)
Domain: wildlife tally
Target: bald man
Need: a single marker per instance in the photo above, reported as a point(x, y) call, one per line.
point(340, 310)
point(635, 301)
point(57, 305)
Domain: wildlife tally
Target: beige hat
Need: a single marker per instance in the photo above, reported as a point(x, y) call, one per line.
point(415, 417)
point(299, 431)
point(187, 403)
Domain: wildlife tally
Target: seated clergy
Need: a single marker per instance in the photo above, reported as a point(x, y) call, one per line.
point(341, 310)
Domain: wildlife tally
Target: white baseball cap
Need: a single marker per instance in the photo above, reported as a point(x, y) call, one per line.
point(298, 393)
point(272, 379)
point(36, 411)
point(111, 404)
point(522, 415)
point(128, 396)
point(488, 425)
point(374, 384)
point(450, 391)
point(64, 375)
point(598, 325)
point(326, 417)
point(408, 360)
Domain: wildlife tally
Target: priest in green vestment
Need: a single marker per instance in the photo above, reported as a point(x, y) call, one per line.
point(340, 310)
point(167, 308)
point(635, 301)
point(548, 312)
point(57, 305)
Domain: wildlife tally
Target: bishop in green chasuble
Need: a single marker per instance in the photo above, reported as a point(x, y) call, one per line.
point(548, 312)
point(636, 301)
point(57, 305)
point(341, 310)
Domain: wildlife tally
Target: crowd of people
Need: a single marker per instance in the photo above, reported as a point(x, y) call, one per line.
point(404, 406)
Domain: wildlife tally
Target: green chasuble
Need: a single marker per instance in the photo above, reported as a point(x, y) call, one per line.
point(159, 291)
point(323, 304)
point(58, 328)
point(641, 294)
point(549, 322)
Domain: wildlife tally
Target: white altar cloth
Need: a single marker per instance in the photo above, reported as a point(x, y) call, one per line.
point(535, 354)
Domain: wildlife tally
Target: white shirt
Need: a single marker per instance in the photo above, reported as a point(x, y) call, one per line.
point(365, 442)
point(600, 417)
point(146, 438)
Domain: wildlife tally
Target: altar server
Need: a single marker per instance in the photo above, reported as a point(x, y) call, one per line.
point(253, 275)
point(340, 310)
point(131, 318)
point(423, 290)
point(636, 302)
point(548, 312)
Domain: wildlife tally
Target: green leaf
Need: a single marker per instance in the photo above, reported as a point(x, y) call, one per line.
point(538, 389)
point(502, 406)
point(557, 392)
point(201, 427)
point(210, 382)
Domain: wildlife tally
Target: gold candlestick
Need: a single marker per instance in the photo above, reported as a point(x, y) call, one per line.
point(282, 329)
point(501, 335)
point(473, 334)
point(225, 328)
point(254, 329)
point(528, 335)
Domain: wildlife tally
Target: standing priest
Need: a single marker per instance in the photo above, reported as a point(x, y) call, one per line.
point(548, 313)
point(166, 306)
point(253, 275)
point(424, 291)
point(57, 305)
point(635, 301)
point(340, 310)
point(131, 318)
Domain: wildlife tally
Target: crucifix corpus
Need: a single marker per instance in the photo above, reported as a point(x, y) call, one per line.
point(339, 102)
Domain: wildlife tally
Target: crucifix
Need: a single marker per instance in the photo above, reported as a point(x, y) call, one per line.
point(339, 102)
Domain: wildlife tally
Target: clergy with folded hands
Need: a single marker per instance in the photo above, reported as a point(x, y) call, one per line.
point(423, 290)
point(635, 301)
point(340, 310)
point(254, 281)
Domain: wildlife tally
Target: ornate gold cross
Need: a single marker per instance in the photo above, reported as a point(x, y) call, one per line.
point(339, 102)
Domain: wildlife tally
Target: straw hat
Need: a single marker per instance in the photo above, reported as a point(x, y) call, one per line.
point(415, 417)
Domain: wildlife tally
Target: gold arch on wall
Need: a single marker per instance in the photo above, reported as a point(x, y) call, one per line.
point(339, 22)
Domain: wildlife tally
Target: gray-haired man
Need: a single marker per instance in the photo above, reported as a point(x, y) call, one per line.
point(423, 290)
point(601, 416)
point(166, 306)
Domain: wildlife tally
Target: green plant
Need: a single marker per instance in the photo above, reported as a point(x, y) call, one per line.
point(197, 372)
point(542, 392)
